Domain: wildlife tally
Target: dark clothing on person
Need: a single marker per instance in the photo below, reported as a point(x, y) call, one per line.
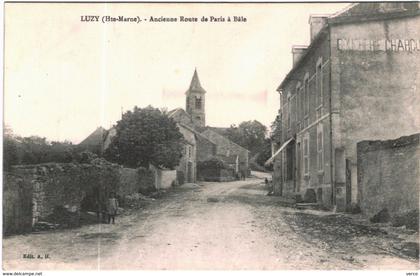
point(112, 207)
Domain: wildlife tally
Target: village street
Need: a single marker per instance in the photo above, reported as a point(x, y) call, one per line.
point(231, 225)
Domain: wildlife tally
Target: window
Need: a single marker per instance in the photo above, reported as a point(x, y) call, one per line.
point(189, 151)
point(294, 110)
point(289, 112)
point(298, 166)
point(197, 102)
point(301, 106)
point(284, 161)
point(306, 92)
point(289, 159)
point(318, 74)
point(297, 108)
point(319, 88)
point(306, 155)
point(320, 149)
point(299, 101)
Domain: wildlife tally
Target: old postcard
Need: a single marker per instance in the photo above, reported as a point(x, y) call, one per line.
point(211, 136)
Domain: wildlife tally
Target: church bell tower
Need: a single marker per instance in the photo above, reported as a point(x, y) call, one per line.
point(195, 101)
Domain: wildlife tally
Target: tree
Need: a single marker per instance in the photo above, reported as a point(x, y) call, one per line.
point(276, 127)
point(34, 150)
point(264, 154)
point(253, 133)
point(10, 149)
point(146, 136)
point(249, 134)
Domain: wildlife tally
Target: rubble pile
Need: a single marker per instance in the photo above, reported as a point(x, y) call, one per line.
point(136, 200)
point(410, 220)
point(64, 218)
point(43, 226)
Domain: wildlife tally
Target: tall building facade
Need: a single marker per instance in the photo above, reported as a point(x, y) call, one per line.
point(357, 80)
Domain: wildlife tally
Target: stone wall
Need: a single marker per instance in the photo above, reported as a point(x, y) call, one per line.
point(388, 175)
point(51, 188)
point(215, 174)
point(17, 204)
point(165, 179)
point(128, 182)
point(226, 147)
point(374, 92)
point(205, 148)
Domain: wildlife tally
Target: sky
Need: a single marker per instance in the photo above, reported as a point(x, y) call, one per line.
point(65, 77)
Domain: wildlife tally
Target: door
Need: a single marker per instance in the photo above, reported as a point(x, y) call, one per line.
point(348, 183)
point(190, 173)
point(298, 167)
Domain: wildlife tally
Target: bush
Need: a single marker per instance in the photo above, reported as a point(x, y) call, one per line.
point(354, 209)
point(85, 157)
point(212, 163)
point(310, 196)
point(409, 219)
point(381, 216)
point(147, 181)
point(256, 167)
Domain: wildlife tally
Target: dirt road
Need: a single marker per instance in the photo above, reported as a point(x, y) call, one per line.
point(210, 226)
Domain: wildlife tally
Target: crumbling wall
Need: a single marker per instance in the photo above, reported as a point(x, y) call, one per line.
point(128, 182)
point(146, 180)
point(17, 204)
point(388, 175)
point(215, 174)
point(167, 178)
point(51, 189)
point(65, 185)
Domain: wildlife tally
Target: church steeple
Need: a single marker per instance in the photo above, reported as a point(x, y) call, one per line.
point(195, 84)
point(195, 101)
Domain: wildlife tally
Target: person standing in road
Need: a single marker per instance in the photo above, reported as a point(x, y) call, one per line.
point(112, 207)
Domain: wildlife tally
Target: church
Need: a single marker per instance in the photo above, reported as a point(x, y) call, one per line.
point(208, 141)
point(201, 142)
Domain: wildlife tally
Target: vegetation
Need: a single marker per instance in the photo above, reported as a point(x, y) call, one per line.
point(275, 134)
point(146, 136)
point(34, 150)
point(212, 163)
point(252, 136)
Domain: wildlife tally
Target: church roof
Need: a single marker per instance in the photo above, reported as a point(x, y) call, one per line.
point(209, 133)
point(195, 85)
point(174, 111)
point(96, 138)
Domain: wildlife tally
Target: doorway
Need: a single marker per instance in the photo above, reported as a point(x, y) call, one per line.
point(190, 173)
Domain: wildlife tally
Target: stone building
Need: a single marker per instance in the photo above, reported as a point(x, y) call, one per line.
point(200, 142)
point(188, 164)
point(208, 142)
point(195, 101)
point(227, 148)
point(357, 80)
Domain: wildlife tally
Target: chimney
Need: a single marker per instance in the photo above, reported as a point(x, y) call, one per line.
point(317, 22)
point(391, 7)
point(298, 51)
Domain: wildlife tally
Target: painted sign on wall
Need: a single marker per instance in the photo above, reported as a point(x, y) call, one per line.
point(385, 45)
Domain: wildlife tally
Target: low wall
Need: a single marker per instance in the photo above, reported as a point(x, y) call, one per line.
point(51, 188)
point(166, 179)
point(17, 204)
point(163, 179)
point(215, 174)
point(146, 181)
point(388, 175)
